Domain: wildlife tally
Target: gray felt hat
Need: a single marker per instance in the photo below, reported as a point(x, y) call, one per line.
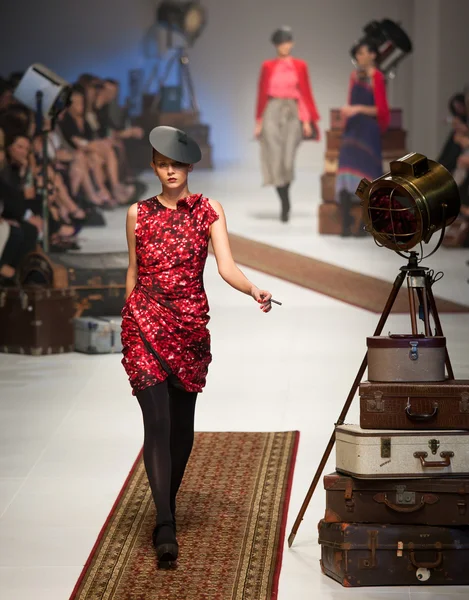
point(175, 144)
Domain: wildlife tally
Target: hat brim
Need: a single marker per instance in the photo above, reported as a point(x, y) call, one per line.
point(175, 144)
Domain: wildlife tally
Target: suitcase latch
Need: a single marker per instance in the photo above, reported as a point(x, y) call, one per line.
point(403, 496)
point(434, 445)
point(464, 403)
point(414, 351)
point(385, 447)
point(375, 404)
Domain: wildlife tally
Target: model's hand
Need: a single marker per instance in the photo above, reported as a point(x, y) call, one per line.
point(307, 129)
point(258, 130)
point(263, 297)
point(348, 111)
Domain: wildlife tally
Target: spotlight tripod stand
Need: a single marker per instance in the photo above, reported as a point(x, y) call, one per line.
point(419, 281)
point(182, 57)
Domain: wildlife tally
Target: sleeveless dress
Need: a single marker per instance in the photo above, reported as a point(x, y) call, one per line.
point(168, 304)
point(360, 152)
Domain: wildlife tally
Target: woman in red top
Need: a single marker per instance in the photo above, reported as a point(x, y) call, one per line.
point(166, 343)
point(286, 112)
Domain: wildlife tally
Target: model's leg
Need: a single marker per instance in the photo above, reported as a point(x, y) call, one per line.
point(283, 192)
point(182, 411)
point(154, 402)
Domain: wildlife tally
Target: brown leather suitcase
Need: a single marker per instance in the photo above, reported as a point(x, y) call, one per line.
point(395, 119)
point(330, 219)
point(400, 358)
point(328, 187)
point(370, 554)
point(178, 119)
point(436, 405)
point(443, 502)
point(391, 140)
point(36, 320)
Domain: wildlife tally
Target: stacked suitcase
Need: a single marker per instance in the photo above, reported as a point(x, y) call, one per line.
point(394, 146)
point(397, 507)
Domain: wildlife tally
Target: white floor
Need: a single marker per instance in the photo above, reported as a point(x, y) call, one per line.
point(70, 429)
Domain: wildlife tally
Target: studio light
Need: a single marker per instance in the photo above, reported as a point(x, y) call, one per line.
point(39, 82)
point(406, 206)
point(391, 41)
point(185, 18)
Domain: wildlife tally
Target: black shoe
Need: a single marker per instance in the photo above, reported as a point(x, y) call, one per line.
point(285, 216)
point(166, 545)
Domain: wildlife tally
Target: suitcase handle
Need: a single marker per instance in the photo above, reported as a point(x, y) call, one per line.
point(425, 499)
point(436, 464)
point(420, 417)
point(426, 565)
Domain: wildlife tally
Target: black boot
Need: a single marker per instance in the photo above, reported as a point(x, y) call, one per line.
point(165, 543)
point(283, 193)
point(345, 204)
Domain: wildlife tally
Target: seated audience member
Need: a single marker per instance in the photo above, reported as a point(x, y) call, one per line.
point(23, 206)
point(78, 133)
point(11, 236)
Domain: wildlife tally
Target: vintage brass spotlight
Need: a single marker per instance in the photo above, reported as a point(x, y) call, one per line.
point(406, 206)
point(185, 18)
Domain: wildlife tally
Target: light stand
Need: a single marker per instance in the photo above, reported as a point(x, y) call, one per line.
point(44, 188)
point(185, 78)
point(419, 280)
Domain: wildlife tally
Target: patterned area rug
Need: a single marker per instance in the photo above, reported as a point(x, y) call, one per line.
point(231, 517)
point(354, 288)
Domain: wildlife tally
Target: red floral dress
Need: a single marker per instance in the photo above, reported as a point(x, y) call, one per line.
point(168, 304)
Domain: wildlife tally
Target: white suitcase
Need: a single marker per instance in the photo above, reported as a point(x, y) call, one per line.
point(391, 454)
point(98, 335)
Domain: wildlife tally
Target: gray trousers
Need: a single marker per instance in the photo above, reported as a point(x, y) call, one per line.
point(281, 135)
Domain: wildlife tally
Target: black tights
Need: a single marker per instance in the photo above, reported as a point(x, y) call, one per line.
point(168, 421)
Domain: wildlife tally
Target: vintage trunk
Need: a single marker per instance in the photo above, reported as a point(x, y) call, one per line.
point(406, 358)
point(98, 279)
point(370, 554)
point(391, 454)
point(443, 501)
point(36, 320)
point(100, 335)
point(440, 405)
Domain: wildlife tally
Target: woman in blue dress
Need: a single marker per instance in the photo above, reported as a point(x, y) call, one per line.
point(367, 117)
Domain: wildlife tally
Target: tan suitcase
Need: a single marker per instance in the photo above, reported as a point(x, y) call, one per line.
point(328, 187)
point(397, 358)
point(391, 454)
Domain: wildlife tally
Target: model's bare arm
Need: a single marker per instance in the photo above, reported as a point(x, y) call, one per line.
point(227, 267)
point(131, 278)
